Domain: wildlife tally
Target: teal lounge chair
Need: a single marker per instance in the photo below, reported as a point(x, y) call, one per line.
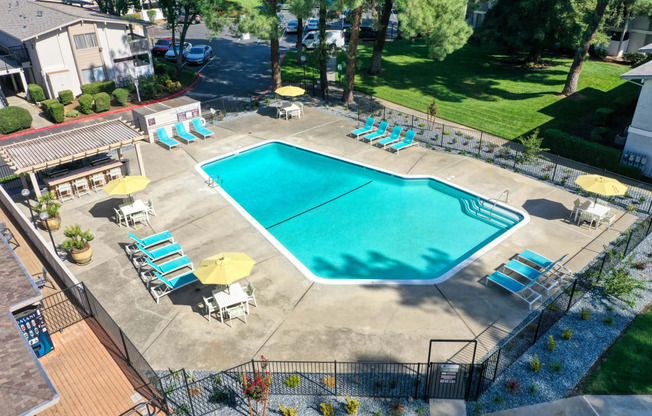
point(407, 142)
point(364, 130)
point(529, 256)
point(169, 285)
point(165, 139)
point(378, 134)
point(183, 134)
point(164, 268)
point(155, 255)
point(539, 277)
point(396, 136)
point(147, 242)
point(200, 129)
point(523, 291)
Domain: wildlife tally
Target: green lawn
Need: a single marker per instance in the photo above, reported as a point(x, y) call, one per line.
point(628, 367)
point(478, 87)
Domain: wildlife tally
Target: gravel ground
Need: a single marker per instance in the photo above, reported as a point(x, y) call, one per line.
point(569, 362)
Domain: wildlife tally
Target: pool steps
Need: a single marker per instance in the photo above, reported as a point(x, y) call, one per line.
point(494, 215)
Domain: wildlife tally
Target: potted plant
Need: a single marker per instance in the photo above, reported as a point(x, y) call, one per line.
point(48, 203)
point(77, 242)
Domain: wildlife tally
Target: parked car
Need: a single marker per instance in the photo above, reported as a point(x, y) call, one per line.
point(199, 54)
point(366, 33)
point(169, 55)
point(161, 46)
point(333, 38)
point(313, 24)
point(194, 21)
point(292, 27)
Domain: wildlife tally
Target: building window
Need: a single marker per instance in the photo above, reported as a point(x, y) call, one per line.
point(85, 41)
point(93, 75)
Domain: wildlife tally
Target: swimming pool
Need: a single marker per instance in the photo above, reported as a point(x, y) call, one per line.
point(342, 222)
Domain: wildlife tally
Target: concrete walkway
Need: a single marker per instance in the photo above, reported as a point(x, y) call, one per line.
point(587, 406)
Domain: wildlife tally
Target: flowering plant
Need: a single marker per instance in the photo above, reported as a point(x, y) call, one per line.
point(257, 387)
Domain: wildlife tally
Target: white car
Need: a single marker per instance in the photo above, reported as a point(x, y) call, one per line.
point(169, 55)
point(199, 54)
point(292, 27)
point(313, 24)
point(333, 38)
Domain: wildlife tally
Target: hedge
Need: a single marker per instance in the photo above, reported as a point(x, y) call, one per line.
point(14, 118)
point(85, 103)
point(56, 112)
point(594, 154)
point(121, 95)
point(45, 104)
point(102, 102)
point(97, 87)
point(602, 116)
point(598, 134)
point(36, 92)
point(66, 97)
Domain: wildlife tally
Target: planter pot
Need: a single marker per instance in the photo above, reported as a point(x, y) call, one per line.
point(82, 256)
point(54, 223)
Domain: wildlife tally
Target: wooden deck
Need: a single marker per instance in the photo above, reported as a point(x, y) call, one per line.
point(88, 379)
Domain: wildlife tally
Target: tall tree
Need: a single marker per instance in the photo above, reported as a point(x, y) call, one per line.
point(302, 9)
point(352, 55)
point(118, 7)
point(381, 35)
point(441, 23)
point(173, 10)
point(322, 49)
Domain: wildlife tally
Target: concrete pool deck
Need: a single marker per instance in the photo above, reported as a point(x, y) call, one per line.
point(297, 319)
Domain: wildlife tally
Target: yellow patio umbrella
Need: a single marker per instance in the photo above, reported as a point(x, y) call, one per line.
point(600, 185)
point(290, 91)
point(126, 185)
point(224, 268)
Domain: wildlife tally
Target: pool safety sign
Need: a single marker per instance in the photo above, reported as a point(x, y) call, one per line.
point(448, 373)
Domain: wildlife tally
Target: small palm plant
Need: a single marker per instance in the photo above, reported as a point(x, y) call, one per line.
point(77, 242)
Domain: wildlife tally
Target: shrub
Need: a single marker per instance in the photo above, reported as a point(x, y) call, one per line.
point(534, 389)
point(288, 411)
point(602, 116)
point(56, 112)
point(609, 320)
point(535, 364)
point(594, 154)
point(151, 15)
point(556, 366)
point(220, 396)
point(72, 113)
point(13, 119)
point(102, 102)
point(567, 334)
point(66, 97)
point(329, 381)
point(585, 314)
point(172, 86)
point(327, 408)
point(396, 408)
point(85, 103)
point(132, 16)
point(551, 343)
point(293, 380)
point(45, 104)
point(97, 87)
point(121, 95)
point(194, 391)
point(36, 92)
point(147, 86)
point(532, 147)
point(512, 385)
point(634, 58)
point(352, 405)
point(423, 410)
point(619, 283)
point(598, 134)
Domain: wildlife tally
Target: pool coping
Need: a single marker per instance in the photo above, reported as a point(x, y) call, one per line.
point(309, 274)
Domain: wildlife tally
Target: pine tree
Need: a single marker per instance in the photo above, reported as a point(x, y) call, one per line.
point(302, 9)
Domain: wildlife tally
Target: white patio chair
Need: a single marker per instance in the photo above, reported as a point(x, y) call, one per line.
point(81, 187)
point(576, 205)
point(150, 207)
point(588, 217)
point(115, 173)
point(211, 306)
point(609, 220)
point(98, 181)
point(119, 218)
point(139, 217)
point(236, 311)
point(300, 105)
point(280, 112)
point(250, 290)
point(64, 191)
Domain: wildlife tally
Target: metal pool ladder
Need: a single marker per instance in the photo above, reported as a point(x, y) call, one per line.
point(495, 200)
point(214, 180)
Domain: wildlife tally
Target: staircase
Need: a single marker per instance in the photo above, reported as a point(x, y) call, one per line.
point(489, 213)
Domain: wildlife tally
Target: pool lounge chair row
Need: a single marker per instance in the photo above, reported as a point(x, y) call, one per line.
point(183, 134)
point(384, 137)
point(530, 269)
point(147, 255)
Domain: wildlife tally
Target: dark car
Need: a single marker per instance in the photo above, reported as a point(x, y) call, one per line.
point(161, 46)
point(366, 33)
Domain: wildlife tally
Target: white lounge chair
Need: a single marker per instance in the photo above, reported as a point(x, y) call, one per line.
point(368, 126)
point(168, 286)
point(558, 270)
point(524, 292)
point(539, 277)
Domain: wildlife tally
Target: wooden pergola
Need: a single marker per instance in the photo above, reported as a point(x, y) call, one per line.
point(33, 155)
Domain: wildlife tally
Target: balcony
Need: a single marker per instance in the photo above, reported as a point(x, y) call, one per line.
point(139, 46)
point(17, 56)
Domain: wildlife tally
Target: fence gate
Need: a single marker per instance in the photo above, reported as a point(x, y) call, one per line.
point(453, 380)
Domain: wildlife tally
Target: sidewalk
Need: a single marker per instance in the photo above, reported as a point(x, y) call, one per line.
point(587, 406)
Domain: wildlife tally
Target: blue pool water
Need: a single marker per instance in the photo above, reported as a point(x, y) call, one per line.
point(346, 221)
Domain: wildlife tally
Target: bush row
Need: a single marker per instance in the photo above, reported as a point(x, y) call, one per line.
point(97, 87)
point(13, 119)
point(594, 154)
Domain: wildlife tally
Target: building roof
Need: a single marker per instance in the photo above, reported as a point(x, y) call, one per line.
point(24, 19)
point(640, 72)
point(24, 386)
point(65, 146)
point(163, 106)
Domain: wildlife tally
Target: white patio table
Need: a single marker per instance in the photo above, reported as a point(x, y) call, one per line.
point(233, 295)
